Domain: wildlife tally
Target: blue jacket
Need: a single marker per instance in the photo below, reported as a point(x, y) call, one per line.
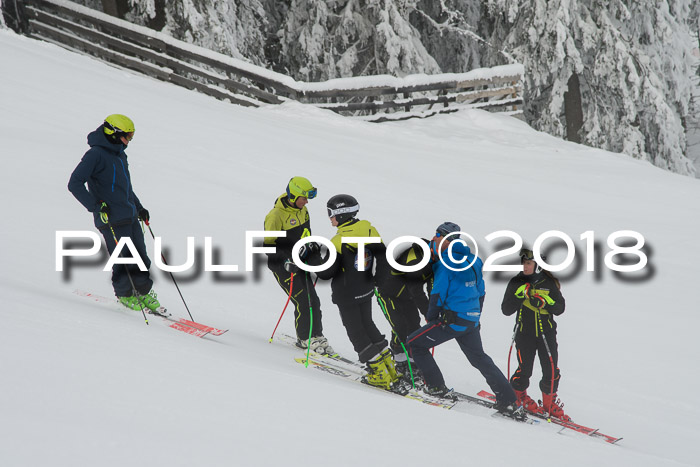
point(106, 171)
point(461, 292)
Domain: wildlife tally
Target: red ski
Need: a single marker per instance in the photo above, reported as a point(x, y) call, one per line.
point(202, 327)
point(570, 425)
point(189, 327)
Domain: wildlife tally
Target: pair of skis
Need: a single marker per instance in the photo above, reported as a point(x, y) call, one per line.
point(180, 324)
point(353, 371)
point(563, 423)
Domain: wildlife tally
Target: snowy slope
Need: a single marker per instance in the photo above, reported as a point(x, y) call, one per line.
point(90, 384)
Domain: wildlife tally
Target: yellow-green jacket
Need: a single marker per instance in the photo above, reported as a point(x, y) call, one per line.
point(349, 284)
point(292, 220)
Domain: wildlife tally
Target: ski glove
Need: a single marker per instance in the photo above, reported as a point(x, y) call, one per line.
point(523, 291)
point(289, 266)
point(537, 301)
point(104, 213)
point(144, 216)
point(309, 249)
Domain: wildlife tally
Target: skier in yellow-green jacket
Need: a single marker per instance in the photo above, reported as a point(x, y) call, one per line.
point(290, 215)
point(352, 287)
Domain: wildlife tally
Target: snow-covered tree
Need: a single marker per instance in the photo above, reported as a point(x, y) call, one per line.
point(451, 31)
point(328, 39)
point(613, 74)
point(629, 60)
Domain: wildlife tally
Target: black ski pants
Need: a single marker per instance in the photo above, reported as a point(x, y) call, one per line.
point(366, 339)
point(120, 278)
point(527, 345)
point(302, 291)
point(404, 315)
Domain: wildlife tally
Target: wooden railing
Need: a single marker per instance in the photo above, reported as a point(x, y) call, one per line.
point(373, 98)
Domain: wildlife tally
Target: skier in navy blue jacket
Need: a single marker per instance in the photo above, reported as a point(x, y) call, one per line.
point(456, 301)
point(115, 207)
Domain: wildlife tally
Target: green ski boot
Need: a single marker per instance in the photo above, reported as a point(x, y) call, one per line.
point(150, 301)
point(131, 302)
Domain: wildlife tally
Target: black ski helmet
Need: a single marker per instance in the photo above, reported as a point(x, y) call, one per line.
point(343, 208)
point(528, 254)
point(447, 228)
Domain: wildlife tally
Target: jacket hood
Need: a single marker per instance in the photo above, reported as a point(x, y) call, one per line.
point(99, 139)
point(281, 204)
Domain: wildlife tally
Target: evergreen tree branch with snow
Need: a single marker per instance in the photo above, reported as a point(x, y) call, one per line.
point(613, 74)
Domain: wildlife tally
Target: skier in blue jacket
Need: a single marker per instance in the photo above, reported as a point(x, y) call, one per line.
point(116, 209)
point(456, 301)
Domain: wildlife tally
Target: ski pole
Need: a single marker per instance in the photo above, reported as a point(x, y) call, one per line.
point(291, 286)
point(171, 274)
point(382, 305)
point(551, 362)
point(311, 317)
point(128, 274)
point(512, 341)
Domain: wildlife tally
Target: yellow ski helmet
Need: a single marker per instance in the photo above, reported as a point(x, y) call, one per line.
point(300, 186)
point(119, 125)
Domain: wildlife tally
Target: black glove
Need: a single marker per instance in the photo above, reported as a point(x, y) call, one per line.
point(537, 301)
point(309, 249)
point(144, 216)
point(104, 209)
point(290, 267)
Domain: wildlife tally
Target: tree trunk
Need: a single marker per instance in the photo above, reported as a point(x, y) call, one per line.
point(572, 110)
point(116, 8)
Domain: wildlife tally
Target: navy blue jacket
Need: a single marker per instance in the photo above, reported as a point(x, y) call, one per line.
point(461, 292)
point(106, 171)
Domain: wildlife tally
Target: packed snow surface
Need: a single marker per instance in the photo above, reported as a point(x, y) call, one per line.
point(86, 383)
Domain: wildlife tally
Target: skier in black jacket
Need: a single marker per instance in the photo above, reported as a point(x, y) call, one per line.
point(535, 296)
point(116, 209)
point(353, 289)
point(404, 297)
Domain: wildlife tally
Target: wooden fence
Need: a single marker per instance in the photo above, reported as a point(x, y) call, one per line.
point(374, 98)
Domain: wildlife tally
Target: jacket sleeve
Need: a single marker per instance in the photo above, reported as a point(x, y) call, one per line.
point(415, 291)
point(139, 206)
point(559, 302)
point(332, 269)
point(274, 223)
point(438, 294)
point(82, 173)
point(511, 303)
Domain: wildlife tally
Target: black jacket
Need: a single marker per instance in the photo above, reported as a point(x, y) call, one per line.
point(393, 283)
point(527, 316)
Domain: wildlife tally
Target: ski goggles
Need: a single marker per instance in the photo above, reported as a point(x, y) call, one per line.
point(129, 136)
point(343, 210)
point(309, 194)
point(526, 255)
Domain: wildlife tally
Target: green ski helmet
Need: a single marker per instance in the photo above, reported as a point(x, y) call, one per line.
point(300, 186)
point(117, 125)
